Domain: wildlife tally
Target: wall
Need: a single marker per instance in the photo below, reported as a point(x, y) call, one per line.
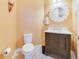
point(76, 10)
point(29, 19)
point(70, 23)
point(7, 28)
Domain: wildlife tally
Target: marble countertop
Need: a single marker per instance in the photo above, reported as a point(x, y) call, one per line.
point(62, 31)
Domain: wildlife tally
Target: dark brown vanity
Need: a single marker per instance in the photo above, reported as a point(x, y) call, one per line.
point(57, 45)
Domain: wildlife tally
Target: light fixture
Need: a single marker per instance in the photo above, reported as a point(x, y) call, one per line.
point(10, 5)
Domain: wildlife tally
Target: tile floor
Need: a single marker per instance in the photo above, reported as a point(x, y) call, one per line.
point(37, 54)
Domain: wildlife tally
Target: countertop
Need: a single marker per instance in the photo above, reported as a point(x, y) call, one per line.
point(59, 31)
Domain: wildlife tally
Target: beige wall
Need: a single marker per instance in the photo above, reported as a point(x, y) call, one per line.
point(7, 27)
point(29, 18)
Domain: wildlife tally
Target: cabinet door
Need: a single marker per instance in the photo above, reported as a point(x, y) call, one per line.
point(68, 46)
point(61, 45)
point(47, 45)
point(64, 46)
point(51, 41)
point(54, 44)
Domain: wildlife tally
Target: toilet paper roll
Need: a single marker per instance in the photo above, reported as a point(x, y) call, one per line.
point(7, 51)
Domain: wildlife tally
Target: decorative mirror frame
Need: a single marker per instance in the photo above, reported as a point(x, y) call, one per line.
point(53, 8)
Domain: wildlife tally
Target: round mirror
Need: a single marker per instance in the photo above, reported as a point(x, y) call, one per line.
point(58, 12)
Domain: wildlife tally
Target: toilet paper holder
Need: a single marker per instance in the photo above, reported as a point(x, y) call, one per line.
point(7, 51)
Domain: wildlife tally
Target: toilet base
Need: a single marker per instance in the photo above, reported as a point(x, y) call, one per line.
point(28, 56)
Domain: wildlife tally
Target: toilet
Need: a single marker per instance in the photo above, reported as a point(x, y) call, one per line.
point(28, 47)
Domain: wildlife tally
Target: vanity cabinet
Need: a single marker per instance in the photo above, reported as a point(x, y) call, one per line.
point(58, 45)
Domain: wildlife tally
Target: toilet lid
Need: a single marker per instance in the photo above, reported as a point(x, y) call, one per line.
point(28, 47)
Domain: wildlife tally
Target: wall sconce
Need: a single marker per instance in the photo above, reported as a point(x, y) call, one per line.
point(10, 5)
point(46, 21)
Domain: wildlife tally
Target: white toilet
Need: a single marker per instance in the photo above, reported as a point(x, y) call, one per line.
point(28, 47)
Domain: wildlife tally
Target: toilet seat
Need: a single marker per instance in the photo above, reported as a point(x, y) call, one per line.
point(27, 48)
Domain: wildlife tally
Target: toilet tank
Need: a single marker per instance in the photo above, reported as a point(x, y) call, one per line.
point(28, 38)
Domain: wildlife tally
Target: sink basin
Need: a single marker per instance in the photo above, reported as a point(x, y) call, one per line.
point(61, 30)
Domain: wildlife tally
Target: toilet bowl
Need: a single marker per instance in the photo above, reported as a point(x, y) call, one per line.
point(28, 47)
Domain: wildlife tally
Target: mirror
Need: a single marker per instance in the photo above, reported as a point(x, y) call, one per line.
point(58, 12)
